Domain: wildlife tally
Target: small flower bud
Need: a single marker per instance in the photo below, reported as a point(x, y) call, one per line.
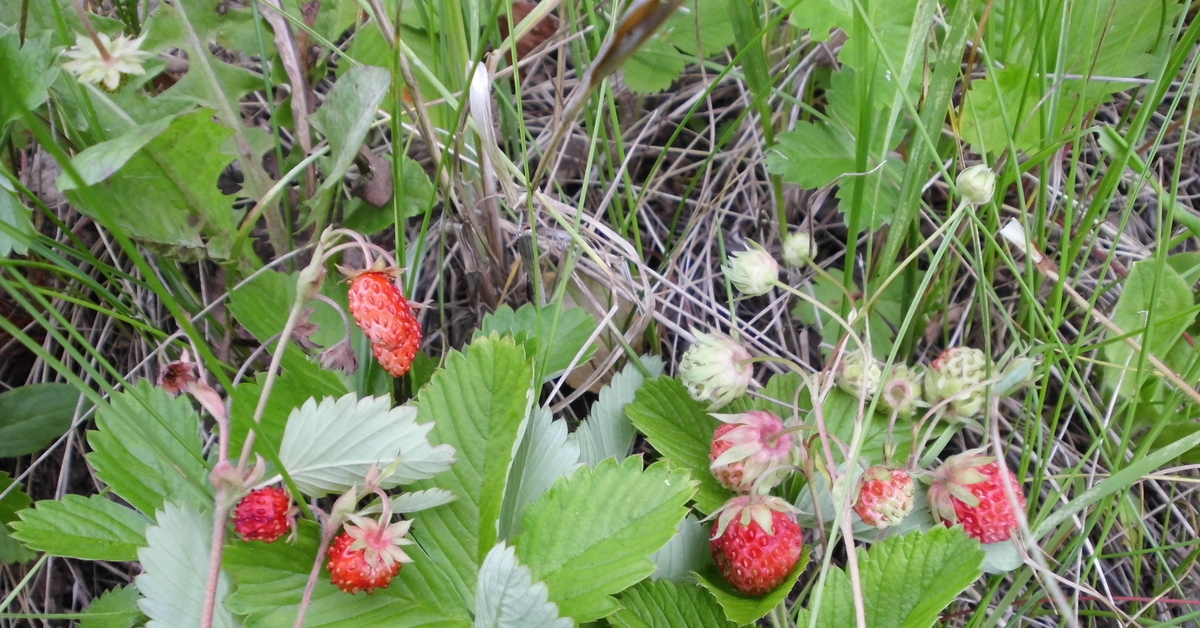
point(955, 370)
point(798, 249)
point(753, 271)
point(904, 391)
point(860, 376)
point(714, 370)
point(977, 184)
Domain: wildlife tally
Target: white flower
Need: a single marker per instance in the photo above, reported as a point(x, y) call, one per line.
point(714, 370)
point(89, 65)
point(798, 249)
point(976, 184)
point(752, 272)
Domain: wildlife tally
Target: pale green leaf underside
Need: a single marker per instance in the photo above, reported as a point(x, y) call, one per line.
point(175, 569)
point(546, 454)
point(608, 432)
point(508, 597)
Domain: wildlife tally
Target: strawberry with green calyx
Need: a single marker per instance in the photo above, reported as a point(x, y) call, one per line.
point(969, 489)
point(756, 542)
point(385, 316)
point(751, 451)
point(885, 496)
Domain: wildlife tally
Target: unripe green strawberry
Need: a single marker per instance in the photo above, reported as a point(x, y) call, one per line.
point(860, 375)
point(751, 451)
point(968, 489)
point(386, 317)
point(956, 370)
point(885, 496)
point(756, 542)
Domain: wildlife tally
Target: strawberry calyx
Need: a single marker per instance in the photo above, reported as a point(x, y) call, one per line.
point(951, 481)
point(747, 508)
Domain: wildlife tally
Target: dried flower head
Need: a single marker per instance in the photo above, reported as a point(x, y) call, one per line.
point(715, 370)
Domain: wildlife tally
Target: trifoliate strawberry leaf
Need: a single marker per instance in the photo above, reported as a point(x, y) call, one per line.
point(881, 194)
point(686, 553)
point(608, 432)
point(91, 528)
point(545, 455)
point(14, 501)
point(551, 334)
point(332, 445)
point(478, 404)
point(175, 570)
point(508, 597)
point(1163, 299)
point(33, 416)
point(681, 430)
point(741, 608)
point(147, 447)
point(907, 581)
point(592, 534)
point(270, 578)
point(116, 608)
point(301, 380)
point(664, 604)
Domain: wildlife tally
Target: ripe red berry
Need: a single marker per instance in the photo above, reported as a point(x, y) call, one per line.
point(756, 543)
point(264, 515)
point(351, 572)
point(386, 317)
point(749, 446)
point(885, 496)
point(968, 489)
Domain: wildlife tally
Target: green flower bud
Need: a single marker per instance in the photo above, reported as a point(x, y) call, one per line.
point(714, 370)
point(977, 184)
point(860, 373)
point(753, 271)
point(798, 249)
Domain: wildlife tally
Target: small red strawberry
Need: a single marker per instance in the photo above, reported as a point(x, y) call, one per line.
point(264, 515)
point(885, 496)
point(968, 489)
point(756, 542)
point(385, 316)
point(368, 555)
point(749, 446)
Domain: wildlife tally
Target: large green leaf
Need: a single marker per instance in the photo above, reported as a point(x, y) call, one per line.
point(555, 336)
point(17, 217)
point(680, 429)
point(346, 116)
point(270, 580)
point(907, 581)
point(608, 432)
point(508, 597)
point(33, 416)
point(26, 73)
point(332, 445)
point(478, 404)
point(116, 608)
point(91, 528)
point(99, 161)
point(841, 413)
point(592, 535)
point(687, 552)
point(15, 500)
point(745, 609)
point(147, 447)
point(663, 604)
point(175, 570)
point(545, 455)
point(1163, 299)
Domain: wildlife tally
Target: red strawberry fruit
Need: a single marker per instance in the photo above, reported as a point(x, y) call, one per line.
point(969, 489)
point(368, 555)
point(885, 496)
point(751, 451)
point(385, 316)
point(264, 515)
point(756, 542)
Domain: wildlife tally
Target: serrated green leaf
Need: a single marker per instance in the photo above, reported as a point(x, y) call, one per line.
point(532, 326)
point(812, 155)
point(91, 528)
point(907, 581)
point(508, 597)
point(301, 379)
point(147, 447)
point(330, 446)
point(1149, 296)
point(33, 416)
point(99, 161)
point(175, 570)
point(26, 73)
point(478, 404)
point(654, 67)
point(881, 194)
point(686, 553)
point(115, 608)
point(416, 501)
point(703, 23)
point(778, 396)
point(663, 604)
point(608, 432)
point(15, 500)
point(545, 455)
point(270, 580)
point(679, 428)
point(591, 536)
point(742, 609)
point(821, 16)
point(841, 412)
